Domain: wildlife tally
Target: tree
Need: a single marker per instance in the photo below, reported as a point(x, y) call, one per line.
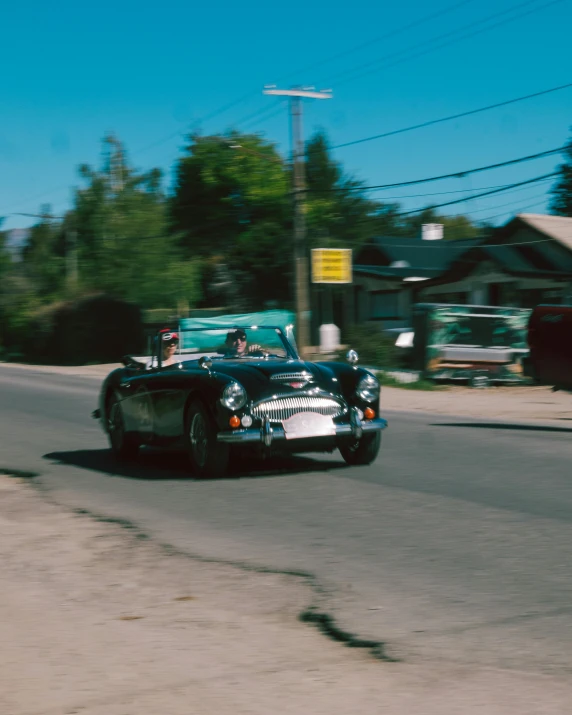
point(338, 211)
point(264, 259)
point(125, 246)
point(43, 257)
point(231, 203)
point(561, 203)
point(223, 187)
point(5, 261)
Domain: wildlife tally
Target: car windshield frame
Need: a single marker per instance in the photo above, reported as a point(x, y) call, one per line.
point(183, 356)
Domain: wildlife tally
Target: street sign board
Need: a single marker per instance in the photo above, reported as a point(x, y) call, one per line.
point(331, 265)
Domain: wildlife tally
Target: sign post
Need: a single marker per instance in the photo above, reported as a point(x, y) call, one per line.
point(331, 265)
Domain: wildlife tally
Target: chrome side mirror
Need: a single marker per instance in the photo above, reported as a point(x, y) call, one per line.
point(352, 357)
point(206, 363)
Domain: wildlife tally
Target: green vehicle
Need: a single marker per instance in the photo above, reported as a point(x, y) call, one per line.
point(479, 344)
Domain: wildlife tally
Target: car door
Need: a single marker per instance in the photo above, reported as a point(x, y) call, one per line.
point(167, 393)
point(136, 403)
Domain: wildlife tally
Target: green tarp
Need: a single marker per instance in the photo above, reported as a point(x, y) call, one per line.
point(283, 319)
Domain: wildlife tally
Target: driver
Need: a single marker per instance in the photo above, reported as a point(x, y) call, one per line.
point(169, 344)
point(236, 344)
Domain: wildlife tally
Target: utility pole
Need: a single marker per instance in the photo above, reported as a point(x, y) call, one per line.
point(71, 256)
point(301, 261)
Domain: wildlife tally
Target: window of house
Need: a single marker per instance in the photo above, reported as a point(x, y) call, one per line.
point(385, 305)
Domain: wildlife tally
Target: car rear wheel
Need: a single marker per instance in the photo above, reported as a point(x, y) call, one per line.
point(123, 445)
point(208, 457)
point(363, 451)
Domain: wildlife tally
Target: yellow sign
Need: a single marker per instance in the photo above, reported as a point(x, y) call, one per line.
point(331, 265)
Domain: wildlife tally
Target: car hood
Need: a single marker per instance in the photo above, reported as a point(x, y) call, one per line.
point(260, 376)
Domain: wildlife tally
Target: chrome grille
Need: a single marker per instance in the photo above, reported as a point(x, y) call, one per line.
point(284, 407)
point(285, 376)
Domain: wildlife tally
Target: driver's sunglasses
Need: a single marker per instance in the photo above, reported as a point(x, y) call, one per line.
point(242, 340)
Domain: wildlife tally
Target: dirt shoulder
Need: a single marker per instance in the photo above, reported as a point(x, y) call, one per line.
point(99, 620)
point(508, 404)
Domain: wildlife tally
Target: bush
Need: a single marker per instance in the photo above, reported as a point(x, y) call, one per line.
point(374, 347)
point(93, 329)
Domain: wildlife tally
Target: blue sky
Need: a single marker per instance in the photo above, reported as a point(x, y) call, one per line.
point(150, 72)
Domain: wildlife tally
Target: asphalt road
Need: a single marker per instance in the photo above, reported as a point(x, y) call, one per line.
point(454, 546)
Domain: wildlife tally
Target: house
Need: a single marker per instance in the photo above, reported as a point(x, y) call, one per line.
point(525, 262)
point(388, 269)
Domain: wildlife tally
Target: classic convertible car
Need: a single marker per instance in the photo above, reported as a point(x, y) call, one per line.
point(219, 394)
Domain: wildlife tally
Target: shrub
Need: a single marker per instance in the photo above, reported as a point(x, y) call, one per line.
point(374, 347)
point(92, 329)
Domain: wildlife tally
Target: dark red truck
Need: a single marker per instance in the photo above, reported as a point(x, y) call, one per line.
point(550, 342)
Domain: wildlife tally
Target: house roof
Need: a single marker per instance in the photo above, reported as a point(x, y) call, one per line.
point(535, 260)
point(550, 254)
point(411, 254)
point(395, 273)
point(443, 261)
point(558, 227)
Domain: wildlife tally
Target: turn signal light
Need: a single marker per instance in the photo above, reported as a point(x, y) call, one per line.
point(234, 421)
point(368, 413)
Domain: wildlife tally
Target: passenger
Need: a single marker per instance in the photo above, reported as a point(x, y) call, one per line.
point(169, 344)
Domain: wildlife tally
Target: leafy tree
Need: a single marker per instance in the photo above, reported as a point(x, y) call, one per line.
point(231, 203)
point(43, 257)
point(561, 203)
point(125, 246)
point(264, 258)
point(338, 211)
point(224, 185)
point(5, 261)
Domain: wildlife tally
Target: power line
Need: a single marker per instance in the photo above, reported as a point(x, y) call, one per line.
point(519, 210)
point(443, 193)
point(270, 111)
point(307, 68)
point(380, 38)
point(510, 203)
point(352, 50)
point(478, 196)
point(369, 67)
point(455, 175)
point(453, 116)
point(431, 49)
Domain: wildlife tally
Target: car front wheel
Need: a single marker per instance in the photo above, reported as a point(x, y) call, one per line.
point(362, 451)
point(208, 457)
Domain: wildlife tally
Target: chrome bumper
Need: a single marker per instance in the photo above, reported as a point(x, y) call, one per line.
point(268, 434)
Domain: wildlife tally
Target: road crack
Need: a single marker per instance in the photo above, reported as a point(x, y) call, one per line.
point(312, 615)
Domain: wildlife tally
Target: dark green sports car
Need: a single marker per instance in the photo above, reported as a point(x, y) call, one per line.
point(233, 388)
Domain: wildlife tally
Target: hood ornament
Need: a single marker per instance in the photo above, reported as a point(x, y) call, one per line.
point(352, 357)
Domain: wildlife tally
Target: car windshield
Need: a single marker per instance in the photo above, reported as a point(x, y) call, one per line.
point(248, 343)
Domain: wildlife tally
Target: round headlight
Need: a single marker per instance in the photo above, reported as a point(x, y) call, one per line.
point(234, 396)
point(368, 389)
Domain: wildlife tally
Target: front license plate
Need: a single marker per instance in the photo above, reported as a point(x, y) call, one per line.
point(308, 424)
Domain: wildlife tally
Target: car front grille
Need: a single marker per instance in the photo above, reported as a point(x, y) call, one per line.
point(282, 408)
point(287, 376)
